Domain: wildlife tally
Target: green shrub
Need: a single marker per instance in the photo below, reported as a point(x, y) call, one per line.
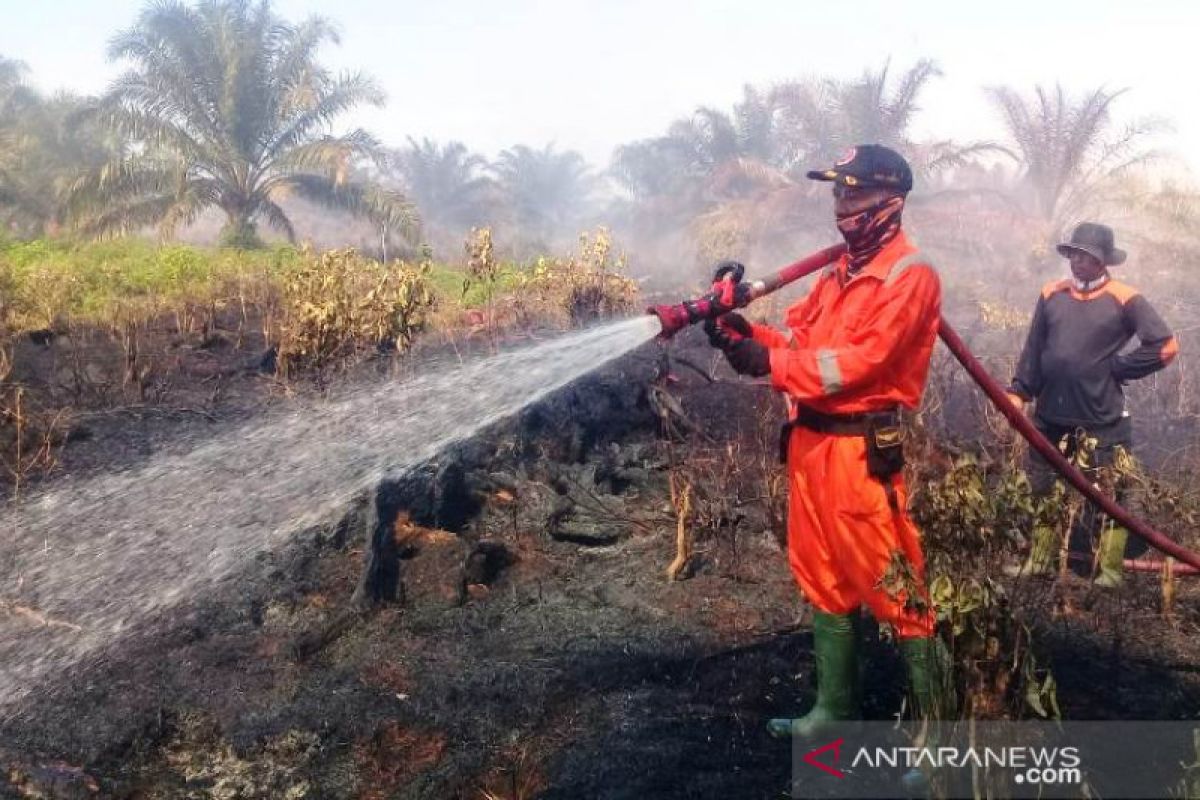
point(50, 283)
point(971, 513)
point(337, 304)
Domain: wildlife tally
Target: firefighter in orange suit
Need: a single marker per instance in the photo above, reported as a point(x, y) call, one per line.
point(856, 351)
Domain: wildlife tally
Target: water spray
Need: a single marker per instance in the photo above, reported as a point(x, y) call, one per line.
point(94, 559)
point(675, 318)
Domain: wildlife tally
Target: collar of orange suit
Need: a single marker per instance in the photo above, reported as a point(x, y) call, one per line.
point(880, 266)
point(866, 232)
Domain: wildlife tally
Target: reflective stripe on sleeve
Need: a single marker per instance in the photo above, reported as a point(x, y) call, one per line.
point(902, 265)
point(831, 373)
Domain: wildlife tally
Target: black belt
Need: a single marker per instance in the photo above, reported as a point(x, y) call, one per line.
point(834, 424)
point(880, 430)
point(844, 424)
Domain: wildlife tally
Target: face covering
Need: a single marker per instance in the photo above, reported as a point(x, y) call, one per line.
point(866, 232)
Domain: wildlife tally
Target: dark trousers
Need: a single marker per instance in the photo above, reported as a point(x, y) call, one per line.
point(1111, 440)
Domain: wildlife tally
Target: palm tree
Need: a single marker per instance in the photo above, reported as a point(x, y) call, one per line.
point(659, 193)
point(651, 168)
point(710, 139)
point(225, 106)
point(751, 163)
point(17, 203)
point(44, 145)
point(15, 95)
point(772, 137)
point(708, 158)
point(546, 190)
point(62, 141)
point(1067, 146)
point(445, 181)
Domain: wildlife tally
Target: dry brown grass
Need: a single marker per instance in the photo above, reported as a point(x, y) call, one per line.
point(520, 775)
point(392, 757)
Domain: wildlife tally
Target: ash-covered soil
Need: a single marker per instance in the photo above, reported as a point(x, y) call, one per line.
point(498, 624)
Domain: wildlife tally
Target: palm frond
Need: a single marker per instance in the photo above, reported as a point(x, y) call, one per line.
point(277, 218)
point(332, 155)
point(304, 116)
point(376, 203)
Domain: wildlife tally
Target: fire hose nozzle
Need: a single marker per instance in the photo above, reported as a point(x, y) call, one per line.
point(675, 318)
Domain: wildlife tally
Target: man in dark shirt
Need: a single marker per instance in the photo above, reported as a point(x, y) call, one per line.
point(1073, 368)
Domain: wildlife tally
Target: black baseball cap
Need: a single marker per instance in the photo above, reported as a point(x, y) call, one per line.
point(870, 166)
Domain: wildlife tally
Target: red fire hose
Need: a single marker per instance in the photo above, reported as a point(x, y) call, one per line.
point(675, 318)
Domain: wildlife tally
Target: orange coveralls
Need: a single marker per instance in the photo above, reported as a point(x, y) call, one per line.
point(858, 347)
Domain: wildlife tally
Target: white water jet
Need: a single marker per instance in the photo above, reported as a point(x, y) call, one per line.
point(88, 560)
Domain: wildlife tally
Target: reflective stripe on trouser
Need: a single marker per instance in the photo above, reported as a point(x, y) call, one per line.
point(842, 533)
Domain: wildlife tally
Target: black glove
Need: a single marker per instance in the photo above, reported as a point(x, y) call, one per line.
point(732, 334)
point(748, 357)
point(727, 330)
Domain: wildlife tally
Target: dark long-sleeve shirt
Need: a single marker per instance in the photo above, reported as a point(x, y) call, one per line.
point(1071, 364)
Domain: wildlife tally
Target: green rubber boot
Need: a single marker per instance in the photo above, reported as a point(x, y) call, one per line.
point(1111, 572)
point(930, 677)
point(931, 686)
point(835, 645)
point(1041, 555)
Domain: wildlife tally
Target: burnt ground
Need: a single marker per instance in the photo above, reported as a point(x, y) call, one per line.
point(498, 624)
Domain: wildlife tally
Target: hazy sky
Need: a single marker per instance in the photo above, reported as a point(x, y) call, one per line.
point(590, 75)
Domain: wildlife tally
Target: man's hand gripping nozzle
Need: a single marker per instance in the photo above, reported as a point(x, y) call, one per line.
point(730, 292)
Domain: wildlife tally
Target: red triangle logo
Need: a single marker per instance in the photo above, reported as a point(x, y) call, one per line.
point(810, 758)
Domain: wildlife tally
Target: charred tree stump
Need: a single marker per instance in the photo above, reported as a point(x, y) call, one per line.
point(380, 583)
